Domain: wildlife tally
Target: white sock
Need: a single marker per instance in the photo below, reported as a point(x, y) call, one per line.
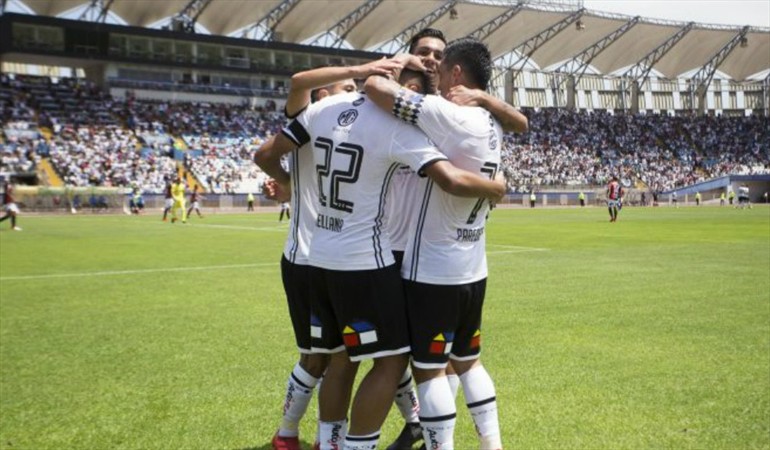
point(406, 398)
point(480, 398)
point(299, 391)
point(364, 442)
point(332, 434)
point(437, 413)
point(318, 414)
point(454, 383)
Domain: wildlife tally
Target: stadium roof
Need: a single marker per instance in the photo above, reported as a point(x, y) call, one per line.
point(372, 25)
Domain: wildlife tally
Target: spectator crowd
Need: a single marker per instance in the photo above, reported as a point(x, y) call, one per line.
point(101, 141)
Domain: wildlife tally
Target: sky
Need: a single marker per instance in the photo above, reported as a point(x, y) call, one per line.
point(722, 12)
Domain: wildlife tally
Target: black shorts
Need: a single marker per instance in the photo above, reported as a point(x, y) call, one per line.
point(361, 311)
point(398, 255)
point(296, 284)
point(444, 322)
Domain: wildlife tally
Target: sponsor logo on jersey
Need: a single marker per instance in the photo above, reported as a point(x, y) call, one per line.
point(359, 333)
point(476, 339)
point(359, 102)
point(347, 117)
point(442, 343)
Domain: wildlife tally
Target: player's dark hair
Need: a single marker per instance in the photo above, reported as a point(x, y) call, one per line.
point(407, 74)
point(474, 58)
point(426, 32)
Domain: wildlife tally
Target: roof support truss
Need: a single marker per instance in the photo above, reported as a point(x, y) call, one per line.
point(190, 13)
point(490, 27)
point(586, 56)
point(702, 78)
point(97, 9)
point(272, 19)
point(522, 53)
point(341, 29)
point(639, 71)
point(406, 34)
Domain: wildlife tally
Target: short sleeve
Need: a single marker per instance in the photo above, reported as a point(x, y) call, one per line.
point(434, 115)
point(412, 147)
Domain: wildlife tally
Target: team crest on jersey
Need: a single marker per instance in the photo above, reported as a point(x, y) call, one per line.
point(316, 330)
point(359, 102)
point(476, 339)
point(442, 343)
point(347, 117)
point(359, 333)
point(493, 141)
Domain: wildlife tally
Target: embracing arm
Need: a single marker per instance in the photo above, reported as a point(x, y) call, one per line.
point(268, 157)
point(462, 183)
point(303, 83)
point(509, 117)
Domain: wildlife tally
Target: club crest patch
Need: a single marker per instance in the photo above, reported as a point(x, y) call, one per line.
point(442, 343)
point(347, 117)
point(359, 333)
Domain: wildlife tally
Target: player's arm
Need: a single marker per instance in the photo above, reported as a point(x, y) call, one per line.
point(268, 157)
point(509, 117)
point(303, 83)
point(462, 183)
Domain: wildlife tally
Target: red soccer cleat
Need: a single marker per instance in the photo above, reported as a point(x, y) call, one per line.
point(285, 443)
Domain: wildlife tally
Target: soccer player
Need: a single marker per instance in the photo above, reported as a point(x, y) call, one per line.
point(613, 197)
point(429, 45)
point(675, 199)
point(743, 197)
point(169, 200)
point(177, 193)
point(285, 209)
point(194, 202)
point(351, 257)
point(10, 207)
point(697, 199)
point(445, 262)
point(315, 84)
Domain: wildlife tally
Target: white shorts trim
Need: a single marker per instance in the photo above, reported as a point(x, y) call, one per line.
point(421, 365)
point(327, 351)
point(169, 202)
point(381, 354)
point(465, 358)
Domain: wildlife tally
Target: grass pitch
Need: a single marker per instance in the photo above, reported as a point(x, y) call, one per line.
point(128, 333)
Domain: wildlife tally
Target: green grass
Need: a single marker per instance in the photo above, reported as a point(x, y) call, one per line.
point(127, 333)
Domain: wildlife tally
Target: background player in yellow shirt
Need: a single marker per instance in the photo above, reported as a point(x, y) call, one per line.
point(177, 192)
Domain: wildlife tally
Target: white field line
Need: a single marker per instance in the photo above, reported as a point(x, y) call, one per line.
point(275, 228)
point(134, 272)
point(513, 249)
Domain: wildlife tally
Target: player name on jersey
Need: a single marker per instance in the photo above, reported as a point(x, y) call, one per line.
point(469, 234)
point(329, 223)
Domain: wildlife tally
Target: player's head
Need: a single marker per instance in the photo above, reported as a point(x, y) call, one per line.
point(429, 45)
point(467, 61)
point(415, 80)
point(340, 87)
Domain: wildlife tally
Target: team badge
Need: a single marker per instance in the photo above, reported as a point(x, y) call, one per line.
point(442, 343)
point(359, 333)
point(359, 102)
point(476, 339)
point(315, 327)
point(347, 117)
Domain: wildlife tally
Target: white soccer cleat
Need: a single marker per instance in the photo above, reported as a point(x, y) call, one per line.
point(16, 228)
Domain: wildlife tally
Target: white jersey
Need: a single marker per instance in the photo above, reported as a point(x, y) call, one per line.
point(304, 195)
point(447, 243)
point(743, 191)
point(357, 148)
point(401, 202)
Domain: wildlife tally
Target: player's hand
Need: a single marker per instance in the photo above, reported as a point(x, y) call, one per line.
point(384, 66)
point(500, 179)
point(410, 62)
point(463, 96)
point(274, 190)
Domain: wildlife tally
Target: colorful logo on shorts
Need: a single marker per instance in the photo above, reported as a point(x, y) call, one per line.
point(442, 343)
point(476, 339)
point(359, 333)
point(315, 327)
